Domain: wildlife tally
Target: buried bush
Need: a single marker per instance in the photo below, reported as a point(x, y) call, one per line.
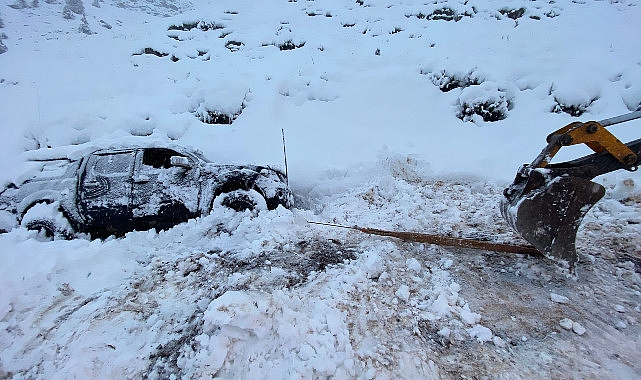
point(574, 94)
point(290, 45)
point(202, 25)
point(3, 47)
point(575, 110)
point(233, 46)
point(484, 102)
point(152, 51)
point(445, 14)
point(223, 115)
point(512, 13)
point(447, 81)
point(488, 110)
point(216, 117)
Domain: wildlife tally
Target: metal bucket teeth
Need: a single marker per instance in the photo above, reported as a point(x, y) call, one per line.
point(548, 217)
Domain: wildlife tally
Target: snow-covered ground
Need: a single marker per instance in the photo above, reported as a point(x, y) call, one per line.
point(403, 115)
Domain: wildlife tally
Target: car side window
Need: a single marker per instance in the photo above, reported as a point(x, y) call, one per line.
point(158, 158)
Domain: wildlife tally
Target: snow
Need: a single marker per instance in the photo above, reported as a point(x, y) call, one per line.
point(578, 328)
point(403, 293)
point(481, 333)
point(566, 323)
point(375, 100)
point(559, 298)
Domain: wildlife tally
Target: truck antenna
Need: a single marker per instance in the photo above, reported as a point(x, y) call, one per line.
point(285, 154)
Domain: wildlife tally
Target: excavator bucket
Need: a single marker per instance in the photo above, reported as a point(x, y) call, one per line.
point(546, 203)
point(549, 216)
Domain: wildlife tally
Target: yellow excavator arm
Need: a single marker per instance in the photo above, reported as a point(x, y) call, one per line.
point(547, 202)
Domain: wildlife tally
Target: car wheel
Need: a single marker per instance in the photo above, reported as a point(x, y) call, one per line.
point(48, 221)
point(241, 200)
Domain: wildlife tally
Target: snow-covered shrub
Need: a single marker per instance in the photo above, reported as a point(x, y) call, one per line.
point(552, 13)
point(22, 4)
point(151, 51)
point(217, 117)
point(290, 45)
point(576, 109)
point(162, 8)
point(220, 105)
point(73, 7)
point(512, 13)
point(202, 25)
point(485, 101)
point(233, 46)
point(3, 47)
point(445, 13)
point(84, 26)
point(448, 81)
point(574, 95)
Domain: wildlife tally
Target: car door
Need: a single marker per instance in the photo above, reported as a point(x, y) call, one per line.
point(105, 191)
point(163, 194)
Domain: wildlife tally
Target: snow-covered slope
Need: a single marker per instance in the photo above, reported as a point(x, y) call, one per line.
point(405, 115)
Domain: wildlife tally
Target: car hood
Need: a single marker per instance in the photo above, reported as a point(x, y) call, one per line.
point(250, 170)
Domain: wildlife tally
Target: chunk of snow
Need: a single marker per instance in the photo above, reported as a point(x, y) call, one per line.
point(239, 309)
point(8, 221)
point(440, 306)
point(620, 325)
point(558, 298)
point(444, 332)
point(566, 323)
point(413, 265)
point(481, 333)
point(469, 317)
point(498, 342)
point(403, 293)
point(373, 265)
point(578, 328)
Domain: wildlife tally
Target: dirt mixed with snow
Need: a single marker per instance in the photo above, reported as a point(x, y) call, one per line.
point(267, 294)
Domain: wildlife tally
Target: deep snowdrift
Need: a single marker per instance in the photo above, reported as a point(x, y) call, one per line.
point(398, 115)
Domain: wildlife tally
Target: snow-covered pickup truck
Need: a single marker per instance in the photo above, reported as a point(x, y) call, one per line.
point(114, 191)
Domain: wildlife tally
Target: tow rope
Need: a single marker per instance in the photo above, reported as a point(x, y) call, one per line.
point(442, 240)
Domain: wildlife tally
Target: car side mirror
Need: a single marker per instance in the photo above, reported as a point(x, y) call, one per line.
point(180, 161)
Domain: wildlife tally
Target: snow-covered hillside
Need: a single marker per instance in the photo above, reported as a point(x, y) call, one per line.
point(401, 115)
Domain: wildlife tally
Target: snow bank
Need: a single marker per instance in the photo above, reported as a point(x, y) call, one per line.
point(353, 78)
